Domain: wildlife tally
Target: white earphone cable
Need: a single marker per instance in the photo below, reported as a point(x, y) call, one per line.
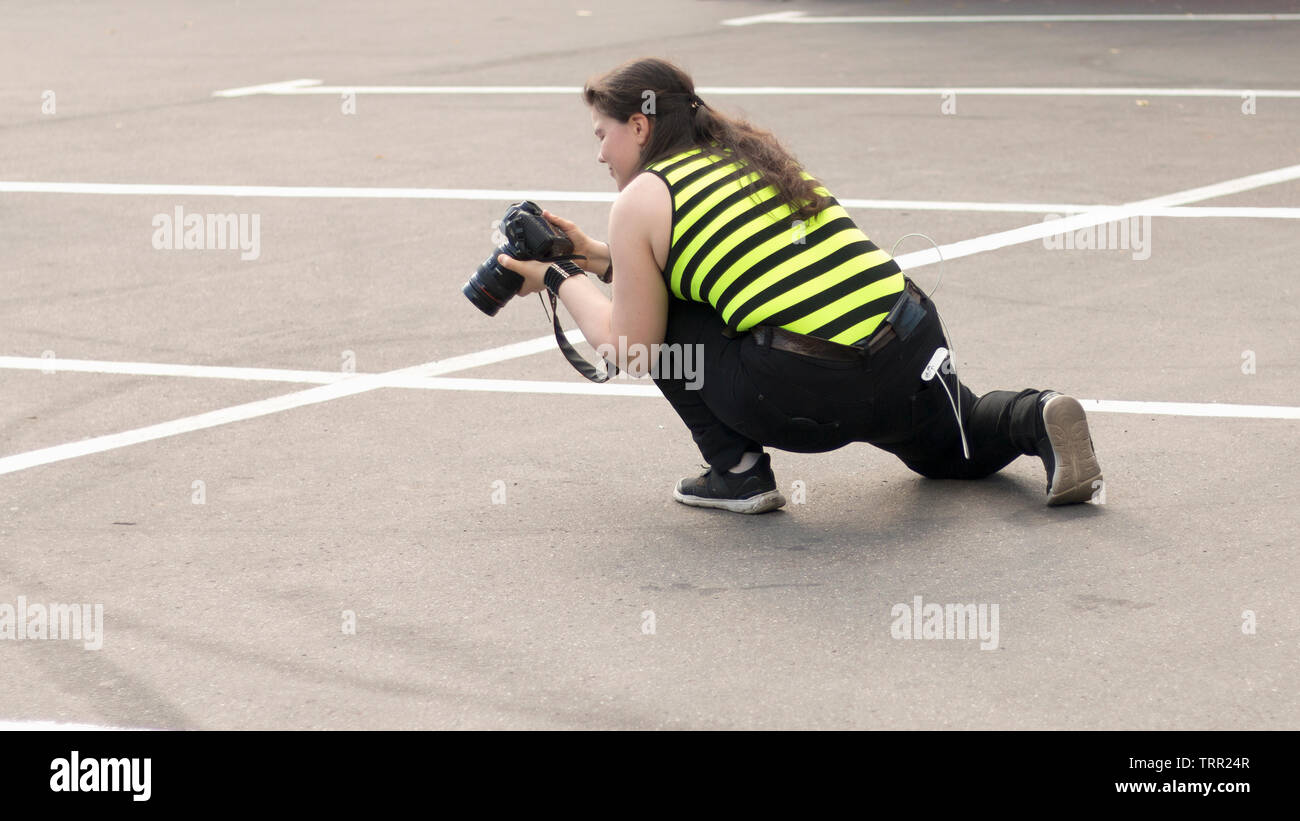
point(952, 352)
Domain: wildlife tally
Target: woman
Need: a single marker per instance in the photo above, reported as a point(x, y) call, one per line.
point(809, 335)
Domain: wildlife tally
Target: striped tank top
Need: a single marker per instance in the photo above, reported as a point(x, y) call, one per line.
point(736, 247)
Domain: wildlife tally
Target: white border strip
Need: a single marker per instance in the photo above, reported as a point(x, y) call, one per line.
point(338, 192)
point(34, 363)
point(993, 91)
point(799, 17)
point(310, 87)
point(351, 386)
point(1046, 228)
point(1191, 409)
point(55, 726)
point(630, 387)
point(774, 17)
point(301, 191)
point(1223, 211)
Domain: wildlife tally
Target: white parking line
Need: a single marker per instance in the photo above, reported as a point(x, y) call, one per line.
point(506, 195)
point(351, 386)
point(266, 88)
point(298, 191)
point(628, 387)
point(293, 88)
point(773, 17)
point(36, 363)
point(800, 17)
point(994, 91)
point(1028, 233)
point(47, 726)
point(1192, 409)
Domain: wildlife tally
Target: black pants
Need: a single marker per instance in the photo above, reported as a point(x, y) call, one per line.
point(745, 396)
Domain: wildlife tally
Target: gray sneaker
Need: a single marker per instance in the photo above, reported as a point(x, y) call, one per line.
point(753, 491)
point(1073, 474)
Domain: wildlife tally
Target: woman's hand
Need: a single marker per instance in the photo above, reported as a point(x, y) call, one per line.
point(596, 252)
point(531, 270)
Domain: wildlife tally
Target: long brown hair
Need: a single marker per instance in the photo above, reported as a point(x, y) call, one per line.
point(680, 121)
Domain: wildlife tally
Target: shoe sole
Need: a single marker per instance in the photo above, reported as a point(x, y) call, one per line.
point(1077, 476)
point(758, 503)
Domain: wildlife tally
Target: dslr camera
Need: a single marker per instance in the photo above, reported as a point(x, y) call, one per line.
point(528, 236)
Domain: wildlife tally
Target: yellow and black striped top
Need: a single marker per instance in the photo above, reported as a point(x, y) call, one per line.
point(737, 247)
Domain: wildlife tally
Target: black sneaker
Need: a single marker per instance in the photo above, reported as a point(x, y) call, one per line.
point(1065, 446)
point(753, 491)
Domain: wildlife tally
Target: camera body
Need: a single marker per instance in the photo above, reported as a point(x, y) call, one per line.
point(528, 236)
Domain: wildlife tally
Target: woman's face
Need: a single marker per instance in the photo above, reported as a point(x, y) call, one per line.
point(620, 144)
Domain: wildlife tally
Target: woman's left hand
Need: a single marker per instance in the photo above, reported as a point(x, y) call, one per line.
point(531, 270)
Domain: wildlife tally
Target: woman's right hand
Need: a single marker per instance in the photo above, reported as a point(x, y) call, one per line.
point(596, 252)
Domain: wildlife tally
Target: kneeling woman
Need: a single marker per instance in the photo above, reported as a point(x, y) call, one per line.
point(811, 336)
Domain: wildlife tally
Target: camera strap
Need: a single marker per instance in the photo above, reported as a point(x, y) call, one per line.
point(579, 364)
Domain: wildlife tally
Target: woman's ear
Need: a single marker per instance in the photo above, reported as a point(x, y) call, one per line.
point(641, 126)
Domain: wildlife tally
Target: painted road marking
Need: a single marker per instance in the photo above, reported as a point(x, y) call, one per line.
point(47, 726)
point(619, 387)
point(800, 17)
point(1028, 233)
point(505, 195)
point(291, 88)
point(351, 386)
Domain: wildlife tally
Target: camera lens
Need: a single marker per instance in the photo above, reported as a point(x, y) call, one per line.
point(492, 286)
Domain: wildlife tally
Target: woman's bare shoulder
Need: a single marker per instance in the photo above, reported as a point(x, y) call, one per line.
point(643, 212)
point(646, 195)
